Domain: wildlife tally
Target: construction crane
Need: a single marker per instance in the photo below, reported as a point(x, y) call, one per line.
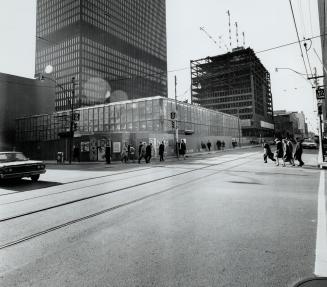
point(212, 39)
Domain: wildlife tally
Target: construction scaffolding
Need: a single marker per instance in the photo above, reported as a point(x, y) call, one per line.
point(235, 83)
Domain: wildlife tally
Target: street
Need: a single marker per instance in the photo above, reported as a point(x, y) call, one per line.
point(218, 219)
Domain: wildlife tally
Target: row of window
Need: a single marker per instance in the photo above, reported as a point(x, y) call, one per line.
point(143, 115)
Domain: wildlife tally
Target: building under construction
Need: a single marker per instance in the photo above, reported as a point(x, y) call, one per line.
point(236, 83)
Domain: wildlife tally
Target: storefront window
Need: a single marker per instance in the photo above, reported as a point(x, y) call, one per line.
point(95, 119)
point(129, 113)
point(142, 125)
point(101, 119)
point(91, 120)
point(111, 115)
point(149, 125)
point(156, 111)
point(148, 110)
point(117, 114)
point(123, 113)
point(142, 111)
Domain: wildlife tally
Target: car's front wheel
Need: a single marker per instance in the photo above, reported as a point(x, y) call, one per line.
point(35, 178)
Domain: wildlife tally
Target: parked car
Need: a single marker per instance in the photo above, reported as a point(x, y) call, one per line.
point(16, 165)
point(309, 143)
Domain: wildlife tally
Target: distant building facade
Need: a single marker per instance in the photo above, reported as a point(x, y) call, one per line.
point(127, 122)
point(290, 124)
point(21, 97)
point(115, 50)
point(236, 83)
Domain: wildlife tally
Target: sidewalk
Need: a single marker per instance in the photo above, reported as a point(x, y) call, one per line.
point(52, 164)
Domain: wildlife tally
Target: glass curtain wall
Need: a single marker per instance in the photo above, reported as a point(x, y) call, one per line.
point(147, 115)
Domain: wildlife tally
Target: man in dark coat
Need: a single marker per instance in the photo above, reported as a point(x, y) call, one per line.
point(218, 144)
point(183, 149)
point(267, 153)
point(209, 145)
point(148, 153)
point(142, 151)
point(298, 152)
point(161, 151)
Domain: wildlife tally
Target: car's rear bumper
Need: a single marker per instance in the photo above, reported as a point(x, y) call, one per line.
point(21, 174)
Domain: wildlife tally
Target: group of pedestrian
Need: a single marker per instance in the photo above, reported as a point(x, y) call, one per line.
point(220, 144)
point(128, 153)
point(145, 151)
point(287, 149)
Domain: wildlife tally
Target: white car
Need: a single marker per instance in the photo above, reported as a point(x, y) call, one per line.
point(308, 143)
point(16, 165)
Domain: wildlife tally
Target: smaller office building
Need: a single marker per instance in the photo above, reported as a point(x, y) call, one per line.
point(21, 97)
point(290, 124)
point(129, 122)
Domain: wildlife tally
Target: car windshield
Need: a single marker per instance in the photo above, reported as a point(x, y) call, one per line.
point(12, 156)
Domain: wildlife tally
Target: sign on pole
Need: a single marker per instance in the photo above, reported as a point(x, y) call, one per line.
point(320, 94)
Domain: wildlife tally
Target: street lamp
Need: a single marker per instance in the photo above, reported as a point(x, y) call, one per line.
point(48, 70)
point(304, 76)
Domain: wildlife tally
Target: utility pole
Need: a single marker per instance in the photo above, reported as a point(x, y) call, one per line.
point(71, 133)
point(319, 112)
point(176, 127)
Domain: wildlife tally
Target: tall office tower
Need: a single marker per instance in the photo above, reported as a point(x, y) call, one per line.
point(236, 83)
point(115, 49)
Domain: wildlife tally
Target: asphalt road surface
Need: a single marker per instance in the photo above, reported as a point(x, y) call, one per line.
point(223, 219)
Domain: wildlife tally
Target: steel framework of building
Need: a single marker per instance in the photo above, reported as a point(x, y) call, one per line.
point(235, 83)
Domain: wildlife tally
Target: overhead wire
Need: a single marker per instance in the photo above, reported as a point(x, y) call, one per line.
point(298, 37)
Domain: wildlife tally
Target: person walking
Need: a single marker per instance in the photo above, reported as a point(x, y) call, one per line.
point(288, 151)
point(279, 151)
point(222, 145)
point(218, 144)
point(132, 153)
point(142, 152)
point(76, 153)
point(161, 151)
point(183, 149)
point(148, 153)
point(209, 145)
point(298, 152)
point(123, 155)
point(108, 154)
point(140, 149)
point(267, 153)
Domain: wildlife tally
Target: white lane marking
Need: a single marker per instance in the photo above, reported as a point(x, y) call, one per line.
point(321, 243)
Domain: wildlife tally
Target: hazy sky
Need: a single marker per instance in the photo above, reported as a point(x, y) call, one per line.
point(266, 23)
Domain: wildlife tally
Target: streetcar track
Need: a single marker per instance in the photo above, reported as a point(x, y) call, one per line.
point(81, 180)
point(113, 191)
point(197, 157)
point(67, 190)
point(97, 184)
point(71, 222)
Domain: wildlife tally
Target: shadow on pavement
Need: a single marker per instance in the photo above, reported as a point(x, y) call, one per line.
point(25, 185)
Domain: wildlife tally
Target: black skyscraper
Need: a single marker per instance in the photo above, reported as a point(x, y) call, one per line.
point(115, 49)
